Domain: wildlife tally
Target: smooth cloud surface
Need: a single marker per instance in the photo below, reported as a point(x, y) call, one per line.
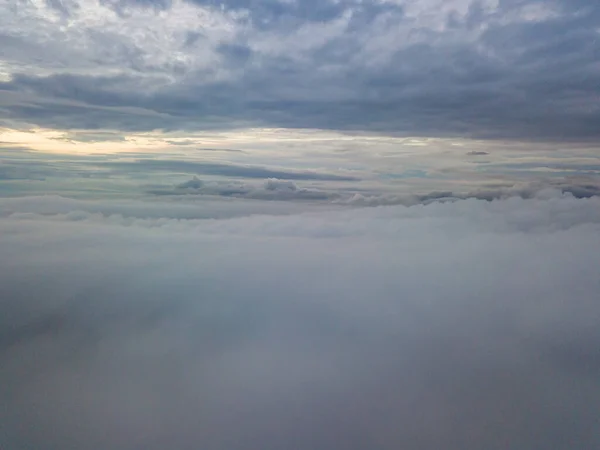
point(462, 325)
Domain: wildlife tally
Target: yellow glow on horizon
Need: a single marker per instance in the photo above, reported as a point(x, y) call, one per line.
point(53, 141)
point(251, 139)
point(76, 142)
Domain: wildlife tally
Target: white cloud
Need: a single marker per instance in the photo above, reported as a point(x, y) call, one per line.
point(463, 325)
point(105, 38)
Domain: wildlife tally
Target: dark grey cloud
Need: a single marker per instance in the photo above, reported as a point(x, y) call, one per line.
point(270, 189)
point(462, 326)
point(585, 188)
point(517, 69)
point(477, 153)
point(226, 170)
point(194, 183)
point(578, 187)
point(274, 189)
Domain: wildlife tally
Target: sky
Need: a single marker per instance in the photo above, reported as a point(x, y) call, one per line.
point(406, 97)
point(510, 69)
point(299, 224)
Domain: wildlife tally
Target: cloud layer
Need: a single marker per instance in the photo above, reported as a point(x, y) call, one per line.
point(525, 69)
point(462, 325)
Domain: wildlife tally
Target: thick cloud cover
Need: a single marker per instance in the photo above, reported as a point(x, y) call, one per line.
point(525, 69)
point(463, 325)
point(229, 170)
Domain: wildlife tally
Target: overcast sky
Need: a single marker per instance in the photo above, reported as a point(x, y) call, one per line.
point(351, 101)
point(514, 69)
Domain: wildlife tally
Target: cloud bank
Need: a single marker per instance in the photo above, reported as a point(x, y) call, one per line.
point(462, 325)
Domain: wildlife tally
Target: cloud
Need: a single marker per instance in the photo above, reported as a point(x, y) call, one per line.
point(477, 153)
point(221, 169)
point(270, 189)
point(194, 183)
point(101, 136)
point(57, 206)
point(286, 190)
point(486, 69)
point(578, 188)
point(273, 184)
point(461, 325)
